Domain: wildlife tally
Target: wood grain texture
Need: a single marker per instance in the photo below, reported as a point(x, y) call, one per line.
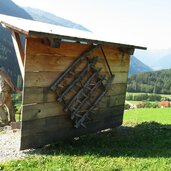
point(63, 121)
point(44, 94)
point(45, 79)
point(37, 133)
point(44, 120)
point(19, 51)
point(42, 110)
point(38, 95)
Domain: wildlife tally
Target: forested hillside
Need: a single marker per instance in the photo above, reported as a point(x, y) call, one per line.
point(7, 53)
point(151, 82)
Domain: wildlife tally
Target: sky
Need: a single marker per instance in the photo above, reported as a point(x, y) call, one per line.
point(139, 22)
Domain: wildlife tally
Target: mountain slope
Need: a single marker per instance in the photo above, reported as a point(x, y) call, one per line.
point(8, 7)
point(136, 66)
point(47, 17)
point(156, 59)
point(7, 53)
point(165, 62)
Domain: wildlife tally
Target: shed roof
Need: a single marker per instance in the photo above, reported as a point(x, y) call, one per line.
point(34, 28)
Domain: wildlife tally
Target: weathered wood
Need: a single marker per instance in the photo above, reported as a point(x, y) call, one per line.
point(63, 121)
point(117, 100)
point(38, 95)
point(50, 59)
point(42, 114)
point(116, 89)
point(19, 51)
point(57, 128)
point(42, 110)
point(67, 49)
point(43, 118)
point(40, 79)
point(45, 79)
point(111, 101)
point(41, 34)
point(55, 136)
point(44, 94)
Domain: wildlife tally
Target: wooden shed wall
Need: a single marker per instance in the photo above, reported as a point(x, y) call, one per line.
point(43, 119)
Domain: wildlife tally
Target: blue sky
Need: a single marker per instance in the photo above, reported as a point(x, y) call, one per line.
point(139, 22)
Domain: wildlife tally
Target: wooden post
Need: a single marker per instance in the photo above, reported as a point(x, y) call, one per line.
point(19, 51)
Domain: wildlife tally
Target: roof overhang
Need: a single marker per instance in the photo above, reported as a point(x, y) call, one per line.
point(30, 28)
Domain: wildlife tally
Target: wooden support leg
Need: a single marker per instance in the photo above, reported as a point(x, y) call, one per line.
point(19, 51)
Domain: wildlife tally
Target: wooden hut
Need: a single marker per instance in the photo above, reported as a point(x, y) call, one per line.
point(73, 83)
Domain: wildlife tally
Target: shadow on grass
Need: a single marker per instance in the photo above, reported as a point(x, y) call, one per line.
point(148, 139)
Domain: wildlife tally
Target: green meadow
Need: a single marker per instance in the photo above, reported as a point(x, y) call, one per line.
point(143, 143)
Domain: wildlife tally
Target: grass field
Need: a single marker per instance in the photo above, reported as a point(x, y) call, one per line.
point(161, 115)
point(137, 146)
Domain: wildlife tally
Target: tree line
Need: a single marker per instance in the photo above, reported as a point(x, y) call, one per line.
point(151, 82)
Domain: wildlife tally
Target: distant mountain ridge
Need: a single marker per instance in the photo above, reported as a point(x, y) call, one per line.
point(47, 17)
point(165, 62)
point(156, 59)
point(136, 66)
point(7, 53)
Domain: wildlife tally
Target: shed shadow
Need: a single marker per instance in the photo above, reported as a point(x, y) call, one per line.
point(148, 139)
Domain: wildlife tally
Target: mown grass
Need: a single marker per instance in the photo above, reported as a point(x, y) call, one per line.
point(141, 146)
point(161, 115)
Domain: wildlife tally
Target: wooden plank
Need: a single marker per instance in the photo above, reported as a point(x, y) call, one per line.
point(45, 79)
point(38, 95)
point(117, 88)
point(42, 110)
point(53, 136)
point(44, 58)
point(120, 78)
point(59, 63)
point(117, 100)
point(19, 51)
point(67, 49)
point(43, 117)
point(40, 79)
point(113, 53)
point(53, 129)
point(43, 94)
point(111, 101)
point(64, 121)
point(41, 34)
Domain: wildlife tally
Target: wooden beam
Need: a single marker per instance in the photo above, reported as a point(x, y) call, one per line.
point(15, 29)
point(19, 51)
point(33, 34)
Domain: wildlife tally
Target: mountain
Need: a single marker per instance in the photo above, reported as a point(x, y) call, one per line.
point(151, 82)
point(7, 53)
point(47, 17)
point(165, 62)
point(156, 59)
point(136, 66)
